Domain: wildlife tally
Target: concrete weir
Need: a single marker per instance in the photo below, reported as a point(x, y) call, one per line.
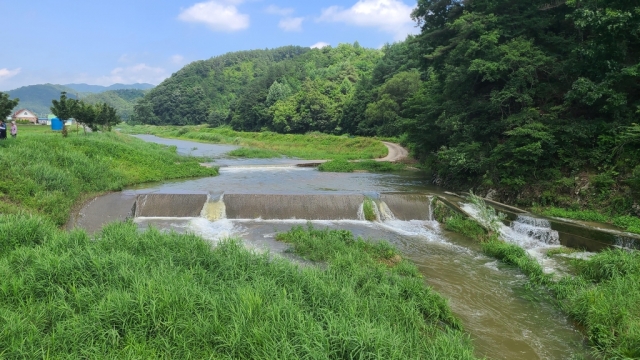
point(309, 207)
point(170, 205)
point(408, 206)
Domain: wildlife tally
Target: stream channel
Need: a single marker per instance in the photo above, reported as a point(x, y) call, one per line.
point(490, 298)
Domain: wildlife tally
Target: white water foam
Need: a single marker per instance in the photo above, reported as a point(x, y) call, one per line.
point(532, 234)
point(215, 231)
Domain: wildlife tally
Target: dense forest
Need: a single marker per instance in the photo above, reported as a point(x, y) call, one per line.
point(540, 96)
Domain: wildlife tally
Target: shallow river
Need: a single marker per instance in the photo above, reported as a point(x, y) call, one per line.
point(491, 299)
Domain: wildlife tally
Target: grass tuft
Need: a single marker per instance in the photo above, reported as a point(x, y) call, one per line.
point(254, 153)
point(368, 209)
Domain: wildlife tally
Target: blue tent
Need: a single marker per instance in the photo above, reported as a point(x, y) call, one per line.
point(56, 124)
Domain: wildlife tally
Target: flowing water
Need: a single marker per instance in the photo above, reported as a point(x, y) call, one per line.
point(254, 202)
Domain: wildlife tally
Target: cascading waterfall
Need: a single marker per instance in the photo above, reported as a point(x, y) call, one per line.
point(385, 213)
point(539, 229)
point(214, 208)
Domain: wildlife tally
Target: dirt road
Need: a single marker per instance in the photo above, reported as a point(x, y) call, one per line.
point(396, 152)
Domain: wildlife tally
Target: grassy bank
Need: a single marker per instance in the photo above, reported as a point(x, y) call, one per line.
point(626, 222)
point(603, 295)
point(147, 294)
point(44, 173)
point(342, 165)
point(313, 146)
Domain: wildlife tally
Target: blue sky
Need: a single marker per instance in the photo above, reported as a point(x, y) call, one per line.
point(128, 41)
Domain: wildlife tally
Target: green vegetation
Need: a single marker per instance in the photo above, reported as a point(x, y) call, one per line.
point(465, 226)
point(390, 285)
point(312, 146)
point(6, 105)
point(341, 165)
point(368, 209)
point(121, 100)
point(626, 222)
point(603, 295)
point(254, 153)
point(132, 294)
point(46, 174)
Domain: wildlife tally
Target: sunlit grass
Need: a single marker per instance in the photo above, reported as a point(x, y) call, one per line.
point(313, 146)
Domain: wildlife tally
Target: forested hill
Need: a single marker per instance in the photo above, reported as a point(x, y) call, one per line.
point(491, 93)
point(290, 89)
point(203, 91)
point(37, 98)
point(122, 100)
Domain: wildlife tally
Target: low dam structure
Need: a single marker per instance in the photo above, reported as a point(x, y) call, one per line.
point(389, 206)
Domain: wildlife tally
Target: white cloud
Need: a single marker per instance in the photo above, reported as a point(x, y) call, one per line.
point(319, 45)
point(291, 24)
point(275, 10)
point(7, 74)
point(391, 16)
point(217, 15)
point(177, 59)
point(139, 73)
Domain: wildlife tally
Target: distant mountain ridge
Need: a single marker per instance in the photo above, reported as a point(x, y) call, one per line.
point(86, 88)
point(37, 98)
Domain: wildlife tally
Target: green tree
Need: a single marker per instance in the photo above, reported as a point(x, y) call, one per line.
point(106, 116)
point(64, 109)
point(7, 105)
point(85, 114)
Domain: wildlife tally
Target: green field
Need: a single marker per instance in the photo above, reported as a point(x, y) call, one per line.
point(44, 173)
point(312, 146)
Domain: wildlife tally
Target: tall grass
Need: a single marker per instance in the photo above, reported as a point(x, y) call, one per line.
point(132, 294)
point(626, 222)
point(46, 174)
point(313, 146)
